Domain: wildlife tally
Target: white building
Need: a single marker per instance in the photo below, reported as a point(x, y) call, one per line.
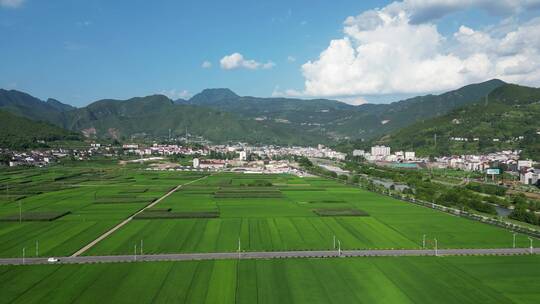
point(524, 164)
point(358, 152)
point(409, 155)
point(243, 155)
point(529, 176)
point(380, 151)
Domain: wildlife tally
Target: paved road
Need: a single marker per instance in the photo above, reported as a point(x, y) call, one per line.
point(270, 255)
point(112, 230)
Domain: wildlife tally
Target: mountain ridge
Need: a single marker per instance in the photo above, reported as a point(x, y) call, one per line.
point(509, 118)
point(310, 120)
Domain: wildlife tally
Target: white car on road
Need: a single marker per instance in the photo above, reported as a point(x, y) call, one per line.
point(53, 260)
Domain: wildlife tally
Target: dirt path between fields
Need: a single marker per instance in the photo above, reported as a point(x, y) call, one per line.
point(111, 231)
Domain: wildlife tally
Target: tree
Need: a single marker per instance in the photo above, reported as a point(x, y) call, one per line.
point(5, 158)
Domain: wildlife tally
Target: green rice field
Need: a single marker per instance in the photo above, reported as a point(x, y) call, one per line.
point(95, 200)
point(56, 211)
point(292, 213)
point(486, 279)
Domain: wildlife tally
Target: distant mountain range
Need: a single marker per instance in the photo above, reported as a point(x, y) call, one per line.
point(507, 118)
point(339, 120)
point(221, 115)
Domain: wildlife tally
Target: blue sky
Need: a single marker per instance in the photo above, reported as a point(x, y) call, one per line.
point(80, 51)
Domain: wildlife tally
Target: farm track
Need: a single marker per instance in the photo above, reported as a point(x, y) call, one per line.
point(271, 255)
point(124, 222)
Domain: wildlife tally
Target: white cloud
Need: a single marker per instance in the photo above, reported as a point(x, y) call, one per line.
point(175, 94)
point(426, 10)
point(268, 65)
point(206, 64)
point(237, 61)
point(384, 52)
point(11, 3)
point(291, 58)
point(354, 100)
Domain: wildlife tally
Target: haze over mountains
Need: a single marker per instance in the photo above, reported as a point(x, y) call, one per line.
point(221, 115)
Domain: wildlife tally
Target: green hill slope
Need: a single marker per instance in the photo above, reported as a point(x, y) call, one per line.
point(340, 120)
point(508, 119)
point(221, 115)
point(22, 133)
point(155, 115)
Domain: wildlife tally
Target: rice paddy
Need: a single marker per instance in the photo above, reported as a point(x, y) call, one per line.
point(56, 211)
point(350, 280)
point(292, 213)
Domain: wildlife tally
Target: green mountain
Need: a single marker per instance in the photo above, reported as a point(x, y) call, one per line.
point(508, 118)
point(221, 115)
point(62, 107)
point(21, 133)
point(340, 120)
point(156, 115)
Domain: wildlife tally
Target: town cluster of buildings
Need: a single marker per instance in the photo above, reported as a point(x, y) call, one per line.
point(267, 151)
point(30, 159)
point(272, 152)
point(157, 149)
point(36, 158)
point(506, 159)
point(383, 153)
point(509, 160)
point(256, 166)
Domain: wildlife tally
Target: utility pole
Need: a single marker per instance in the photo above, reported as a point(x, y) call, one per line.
point(141, 247)
point(531, 246)
point(339, 247)
point(424, 241)
point(23, 255)
point(334, 241)
point(135, 252)
point(514, 240)
point(436, 250)
point(239, 248)
point(37, 248)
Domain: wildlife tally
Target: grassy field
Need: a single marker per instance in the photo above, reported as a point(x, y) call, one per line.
point(96, 197)
point(281, 212)
point(349, 280)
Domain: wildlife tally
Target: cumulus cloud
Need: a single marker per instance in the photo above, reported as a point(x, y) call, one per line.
point(11, 3)
point(384, 51)
point(237, 61)
point(175, 94)
point(206, 64)
point(426, 10)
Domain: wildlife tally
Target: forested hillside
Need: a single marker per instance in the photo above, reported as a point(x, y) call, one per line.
point(22, 133)
point(509, 118)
